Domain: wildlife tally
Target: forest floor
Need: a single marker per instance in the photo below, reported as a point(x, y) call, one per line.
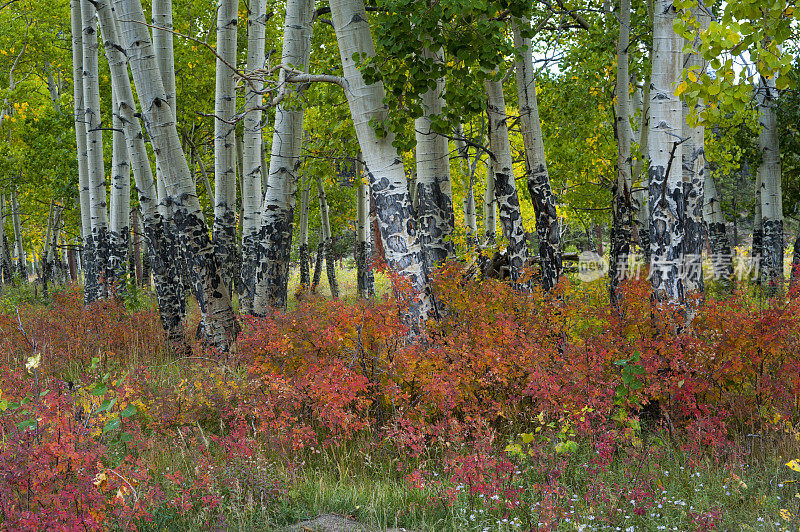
point(520, 413)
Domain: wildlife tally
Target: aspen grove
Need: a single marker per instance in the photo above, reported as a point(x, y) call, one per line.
point(369, 264)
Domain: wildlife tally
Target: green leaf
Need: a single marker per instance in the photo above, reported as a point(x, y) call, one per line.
point(100, 391)
point(107, 405)
point(111, 424)
point(129, 411)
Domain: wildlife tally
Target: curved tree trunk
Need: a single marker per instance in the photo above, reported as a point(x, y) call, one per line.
point(251, 158)
point(665, 182)
point(94, 136)
point(209, 288)
point(434, 193)
point(277, 216)
point(505, 188)
point(225, 143)
point(770, 191)
point(544, 203)
point(160, 249)
point(318, 262)
point(384, 166)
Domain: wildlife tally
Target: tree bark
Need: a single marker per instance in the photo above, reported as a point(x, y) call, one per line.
point(94, 137)
point(505, 188)
point(434, 193)
point(225, 142)
point(365, 278)
point(305, 259)
point(327, 240)
point(544, 201)
point(22, 263)
point(621, 206)
point(665, 152)
point(252, 168)
point(209, 288)
point(468, 173)
point(694, 175)
point(159, 242)
point(770, 189)
point(318, 262)
point(384, 166)
point(489, 207)
point(120, 200)
point(277, 216)
point(721, 250)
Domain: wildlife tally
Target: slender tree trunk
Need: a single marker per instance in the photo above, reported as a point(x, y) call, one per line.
point(721, 251)
point(277, 215)
point(505, 189)
point(176, 267)
point(210, 290)
point(120, 198)
point(224, 142)
point(305, 274)
point(468, 175)
point(489, 207)
point(90, 279)
point(694, 174)
point(642, 217)
point(94, 136)
point(327, 239)
point(621, 207)
point(366, 282)
point(160, 243)
point(665, 182)
point(22, 264)
point(770, 192)
point(251, 158)
point(544, 202)
point(318, 262)
point(433, 188)
point(137, 246)
point(794, 279)
point(384, 166)
point(757, 249)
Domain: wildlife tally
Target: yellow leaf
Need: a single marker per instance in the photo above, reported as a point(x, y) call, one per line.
point(794, 465)
point(786, 514)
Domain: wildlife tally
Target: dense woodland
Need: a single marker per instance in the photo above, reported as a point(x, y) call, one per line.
point(571, 230)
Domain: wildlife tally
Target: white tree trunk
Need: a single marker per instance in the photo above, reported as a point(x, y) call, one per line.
point(98, 238)
point(544, 202)
point(119, 234)
point(209, 288)
point(770, 188)
point(640, 195)
point(384, 166)
point(489, 207)
point(434, 193)
point(305, 259)
point(327, 239)
point(505, 188)
point(277, 211)
point(694, 176)
point(80, 139)
point(721, 252)
point(160, 247)
point(22, 263)
point(665, 182)
point(468, 179)
point(252, 168)
point(366, 280)
point(225, 142)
